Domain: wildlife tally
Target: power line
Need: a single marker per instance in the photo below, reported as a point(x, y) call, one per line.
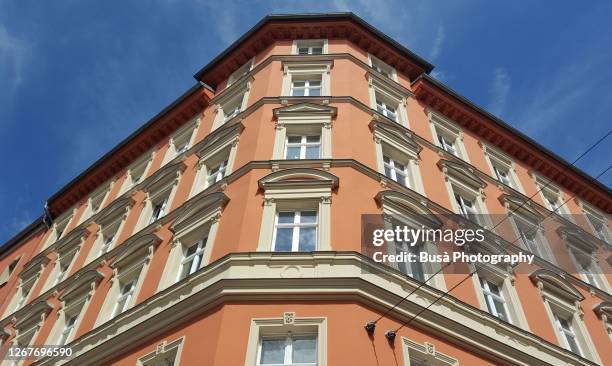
point(370, 325)
point(474, 271)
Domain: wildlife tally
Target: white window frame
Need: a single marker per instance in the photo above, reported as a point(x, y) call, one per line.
point(426, 352)
point(59, 228)
point(289, 323)
point(240, 72)
point(524, 226)
point(442, 127)
point(593, 275)
point(401, 217)
point(200, 221)
point(568, 308)
point(401, 148)
point(498, 161)
point(160, 192)
point(303, 119)
point(309, 43)
point(393, 164)
point(296, 227)
point(101, 196)
point(184, 136)
point(307, 88)
point(549, 191)
point(141, 165)
point(213, 160)
point(382, 67)
point(289, 339)
point(592, 214)
point(162, 351)
point(301, 70)
point(504, 281)
point(234, 99)
point(285, 197)
point(303, 145)
point(379, 89)
point(194, 260)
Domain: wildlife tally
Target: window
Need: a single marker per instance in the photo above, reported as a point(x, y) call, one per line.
point(295, 231)
point(466, 206)
point(597, 221)
point(216, 173)
point(502, 168)
point(217, 154)
point(23, 292)
point(303, 147)
point(306, 79)
point(125, 296)
point(62, 270)
point(528, 237)
point(8, 271)
point(97, 199)
point(397, 155)
point(587, 267)
point(382, 68)
point(192, 258)
point(561, 301)
point(447, 144)
point(494, 299)
point(181, 140)
point(552, 196)
point(58, 229)
point(194, 231)
point(310, 47)
point(466, 191)
point(232, 109)
point(242, 70)
point(290, 349)
point(386, 107)
point(136, 173)
point(413, 269)
point(289, 340)
point(308, 86)
point(159, 209)
point(447, 136)
point(231, 102)
point(567, 334)
point(297, 210)
point(68, 330)
point(303, 131)
point(396, 171)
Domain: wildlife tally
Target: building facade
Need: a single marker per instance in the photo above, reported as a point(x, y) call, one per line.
point(227, 230)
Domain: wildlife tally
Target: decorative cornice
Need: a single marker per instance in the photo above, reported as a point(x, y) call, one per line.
point(165, 174)
point(461, 171)
point(555, 283)
point(305, 108)
point(299, 176)
point(133, 245)
point(79, 281)
point(39, 308)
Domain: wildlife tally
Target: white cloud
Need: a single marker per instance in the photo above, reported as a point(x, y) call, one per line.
point(12, 57)
point(500, 89)
point(436, 47)
point(440, 75)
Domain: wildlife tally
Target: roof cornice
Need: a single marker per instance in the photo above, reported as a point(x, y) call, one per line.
point(475, 119)
point(281, 27)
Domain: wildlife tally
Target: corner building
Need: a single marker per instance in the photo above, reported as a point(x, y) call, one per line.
point(227, 229)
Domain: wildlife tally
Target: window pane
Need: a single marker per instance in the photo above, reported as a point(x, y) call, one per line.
point(299, 84)
point(308, 217)
point(272, 351)
point(294, 139)
point(298, 92)
point(315, 92)
point(571, 342)
point(401, 179)
point(303, 51)
point(312, 152)
point(312, 138)
point(317, 50)
point(285, 217)
point(283, 239)
point(307, 239)
point(293, 152)
point(305, 350)
point(501, 311)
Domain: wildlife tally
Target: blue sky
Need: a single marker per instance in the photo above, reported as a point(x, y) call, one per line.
point(76, 77)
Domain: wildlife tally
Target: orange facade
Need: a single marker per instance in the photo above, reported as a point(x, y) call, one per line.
point(167, 249)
